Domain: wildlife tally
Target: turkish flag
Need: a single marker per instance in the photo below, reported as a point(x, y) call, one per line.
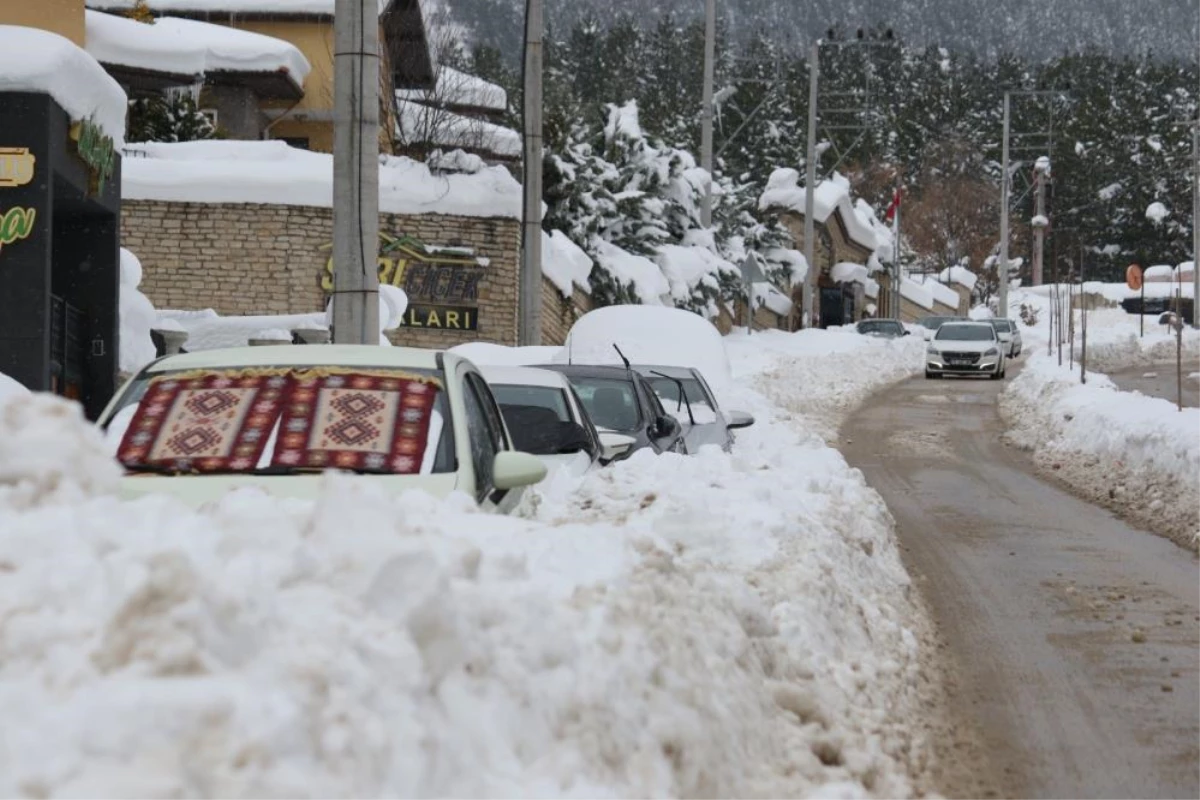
point(893, 206)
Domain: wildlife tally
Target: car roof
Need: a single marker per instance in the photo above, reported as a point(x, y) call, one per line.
point(347, 355)
point(968, 323)
point(524, 376)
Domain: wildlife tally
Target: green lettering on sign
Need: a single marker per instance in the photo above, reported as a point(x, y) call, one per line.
point(96, 150)
point(16, 224)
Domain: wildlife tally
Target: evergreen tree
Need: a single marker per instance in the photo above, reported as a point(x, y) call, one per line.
point(174, 118)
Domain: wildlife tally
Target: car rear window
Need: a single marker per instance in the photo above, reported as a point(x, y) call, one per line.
point(285, 419)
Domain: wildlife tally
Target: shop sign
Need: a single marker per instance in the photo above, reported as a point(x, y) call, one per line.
point(16, 166)
point(442, 284)
point(16, 224)
point(96, 150)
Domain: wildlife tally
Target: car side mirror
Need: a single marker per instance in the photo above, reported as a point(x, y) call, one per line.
point(572, 438)
point(907, 332)
point(512, 470)
point(665, 426)
point(615, 445)
point(739, 419)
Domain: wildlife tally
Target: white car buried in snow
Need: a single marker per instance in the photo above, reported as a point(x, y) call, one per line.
point(547, 418)
point(965, 348)
point(197, 425)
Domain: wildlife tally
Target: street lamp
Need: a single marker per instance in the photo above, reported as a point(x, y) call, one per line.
point(814, 60)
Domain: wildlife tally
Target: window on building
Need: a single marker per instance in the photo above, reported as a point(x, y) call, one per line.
point(300, 142)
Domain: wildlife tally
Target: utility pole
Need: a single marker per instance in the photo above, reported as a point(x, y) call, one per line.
point(1002, 267)
point(706, 113)
point(810, 186)
point(530, 305)
point(356, 172)
point(1041, 173)
point(1196, 224)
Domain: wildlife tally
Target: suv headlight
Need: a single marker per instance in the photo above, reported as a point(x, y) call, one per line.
point(992, 352)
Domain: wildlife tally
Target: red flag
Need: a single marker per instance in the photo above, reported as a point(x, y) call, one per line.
point(893, 206)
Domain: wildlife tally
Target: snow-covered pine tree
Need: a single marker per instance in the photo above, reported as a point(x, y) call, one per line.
point(174, 118)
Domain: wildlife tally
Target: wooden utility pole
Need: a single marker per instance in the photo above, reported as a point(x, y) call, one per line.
point(530, 304)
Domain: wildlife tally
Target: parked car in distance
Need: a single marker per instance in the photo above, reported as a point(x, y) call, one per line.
point(931, 324)
point(882, 328)
point(696, 408)
point(546, 418)
point(619, 400)
point(965, 348)
point(1010, 337)
point(200, 424)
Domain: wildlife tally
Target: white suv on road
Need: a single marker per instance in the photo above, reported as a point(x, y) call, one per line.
point(965, 348)
point(1010, 337)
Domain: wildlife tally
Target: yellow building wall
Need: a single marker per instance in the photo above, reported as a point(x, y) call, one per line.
point(64, 17)
point(319, 134)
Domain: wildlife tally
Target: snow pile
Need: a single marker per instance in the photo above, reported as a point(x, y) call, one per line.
point(960, 275)
point(649, 284)
point(763, 623)
point(33, 60)
point(272, 172)
point(1156, 212)
point(454, 88)
point(188, 47)
point(917, 293)
point(783, 193)
point(10, 388)
point(638, 330)
point(1138, 455)
point(209, 331)
point(48, 455)
point(565, 263)
point(941, 292)
point(137, 315)
point(687, 267)
point(422, 124)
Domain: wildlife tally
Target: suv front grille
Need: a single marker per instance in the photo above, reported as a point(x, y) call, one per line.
point(962, 358)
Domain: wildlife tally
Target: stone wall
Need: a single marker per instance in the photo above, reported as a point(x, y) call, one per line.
point(559, 313)
point(268, 259)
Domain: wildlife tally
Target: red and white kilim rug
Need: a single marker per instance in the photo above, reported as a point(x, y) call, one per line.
point(211, 423)
point(356, 421)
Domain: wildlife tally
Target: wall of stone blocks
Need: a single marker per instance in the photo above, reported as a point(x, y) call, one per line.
point(239, 259)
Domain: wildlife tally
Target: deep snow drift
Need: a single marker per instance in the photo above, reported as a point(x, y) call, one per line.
point(1137, 455)
point(721, 625)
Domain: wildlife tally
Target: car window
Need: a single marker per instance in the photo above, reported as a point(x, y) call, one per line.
point(1002, 325)
point(966, 333)
point(610, 402)
point(484, 445)
point(586, 421)
point(546, 397)
point(654, 408)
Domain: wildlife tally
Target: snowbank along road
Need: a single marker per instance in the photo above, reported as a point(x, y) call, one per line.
point(1075, 635)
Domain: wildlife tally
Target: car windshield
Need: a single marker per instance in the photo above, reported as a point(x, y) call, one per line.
point(933, 323)
point(547, 397)
point(668, 392)
point(1002, 325)
point(965, 333)
point(610, 402)
point(881, 326)
point(284, 420)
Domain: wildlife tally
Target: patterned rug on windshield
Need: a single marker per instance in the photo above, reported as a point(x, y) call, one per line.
point(357, 422)
point(215, 422)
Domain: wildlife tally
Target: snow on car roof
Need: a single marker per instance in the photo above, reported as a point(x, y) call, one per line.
point(524, 376)
point(349, 355)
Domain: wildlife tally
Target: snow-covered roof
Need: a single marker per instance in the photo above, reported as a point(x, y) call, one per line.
point(960, 275)
point(846, 272)
point(420, 124)
point(324, 7)
point(940, 291)
point(914, 292)
point(784, 192)
point(272, 172)
point(33, 60)
point(188, 47)
point(565, 263)
point(454, 88)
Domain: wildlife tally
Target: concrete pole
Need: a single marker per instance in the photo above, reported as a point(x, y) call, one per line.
point(1039, 230)
point(706, 111)
point(356, 172)
point(807, 317)
point(531, 252)
point(1196, 224)
point(1002, 267)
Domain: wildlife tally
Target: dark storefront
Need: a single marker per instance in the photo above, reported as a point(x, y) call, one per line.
point(60, 199)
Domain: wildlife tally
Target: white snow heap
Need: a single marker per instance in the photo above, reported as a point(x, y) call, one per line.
point(647, 279)
point(783, 192)
point(189, 47)
point(49, 454)
point(1159, 273)
point(137, 316)
point(209, 331)
point(1042, 165)
point(564, 263)
point(34, 60)
point(455, 88)
point(687, 267)
point(422, 124)
point(960, 275)
point(272, 172)
point(940, 291)
point(1040, 221)
point(10, 388)
point(1156, 212)
point(917, 293)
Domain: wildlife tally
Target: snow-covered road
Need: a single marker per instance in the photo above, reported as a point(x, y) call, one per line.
point(721, 625)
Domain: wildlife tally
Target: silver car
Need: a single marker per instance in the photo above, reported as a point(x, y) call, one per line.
point(1006, 329)
point(685, 394)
